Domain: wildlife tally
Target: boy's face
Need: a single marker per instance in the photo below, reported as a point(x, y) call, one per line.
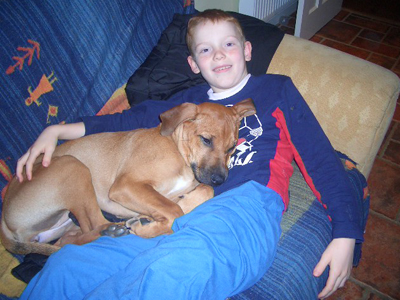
point(219, 55)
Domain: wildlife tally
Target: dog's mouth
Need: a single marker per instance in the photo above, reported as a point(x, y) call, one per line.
point(209, 176)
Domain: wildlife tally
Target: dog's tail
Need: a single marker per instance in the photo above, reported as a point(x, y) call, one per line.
point(16, 247)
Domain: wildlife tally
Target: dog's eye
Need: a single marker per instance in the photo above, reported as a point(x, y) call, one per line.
point(230, 150)
point(206, 141)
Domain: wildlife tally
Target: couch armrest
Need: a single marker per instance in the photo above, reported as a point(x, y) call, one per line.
point(353, 99)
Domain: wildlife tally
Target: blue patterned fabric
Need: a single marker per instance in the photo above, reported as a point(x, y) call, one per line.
point(63, 59)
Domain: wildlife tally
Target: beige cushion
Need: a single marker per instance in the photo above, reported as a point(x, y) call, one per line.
point(354, 100)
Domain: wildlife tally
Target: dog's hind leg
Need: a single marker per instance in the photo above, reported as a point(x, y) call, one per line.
point(80, 199)
point(79, 194)
point(33, 209)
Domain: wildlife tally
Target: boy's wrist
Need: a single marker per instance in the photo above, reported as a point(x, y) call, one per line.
point(67, 131)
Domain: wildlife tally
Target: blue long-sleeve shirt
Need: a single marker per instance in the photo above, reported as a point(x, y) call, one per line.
point(283, 129)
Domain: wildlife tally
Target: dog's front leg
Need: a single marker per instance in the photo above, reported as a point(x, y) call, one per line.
point(142, 198)
point(198, 196)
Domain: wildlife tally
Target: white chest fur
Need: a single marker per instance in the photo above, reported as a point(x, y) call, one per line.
point(180, 185)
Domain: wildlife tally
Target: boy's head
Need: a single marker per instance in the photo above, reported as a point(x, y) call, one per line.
point(214, 16)
point(218, 49)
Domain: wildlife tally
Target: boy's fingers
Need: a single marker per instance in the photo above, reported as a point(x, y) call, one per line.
point(46, 159)
point(335, 281)
point(320, 267)
point(29, 164)
point(328, 289)
point(318, 270)
point(20, 166)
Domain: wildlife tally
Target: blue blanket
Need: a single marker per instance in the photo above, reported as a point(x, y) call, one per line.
point(219, 249)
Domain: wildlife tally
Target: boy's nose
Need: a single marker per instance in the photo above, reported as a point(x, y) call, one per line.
point(219, 55)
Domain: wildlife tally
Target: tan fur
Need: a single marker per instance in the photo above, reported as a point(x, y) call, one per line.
point(141, 172)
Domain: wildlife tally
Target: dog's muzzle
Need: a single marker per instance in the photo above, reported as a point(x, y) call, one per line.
point(209, 176)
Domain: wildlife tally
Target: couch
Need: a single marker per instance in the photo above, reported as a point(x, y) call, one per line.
point(86, 73)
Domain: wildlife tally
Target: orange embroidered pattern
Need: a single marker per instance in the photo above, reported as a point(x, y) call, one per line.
point(45, 86)
point(29, 55)
point(6, 172)
point(53, 112)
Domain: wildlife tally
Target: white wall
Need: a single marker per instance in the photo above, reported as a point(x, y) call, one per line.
point(227, 5)
point(270, 11)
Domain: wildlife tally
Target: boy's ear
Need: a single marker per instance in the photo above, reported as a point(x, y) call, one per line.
point(193, 65)
point(247, 50)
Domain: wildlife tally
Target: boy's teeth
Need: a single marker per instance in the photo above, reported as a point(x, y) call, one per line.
point(222, 68)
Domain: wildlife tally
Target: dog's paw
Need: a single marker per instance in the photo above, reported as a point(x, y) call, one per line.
point(145, 221)
point(115, 230)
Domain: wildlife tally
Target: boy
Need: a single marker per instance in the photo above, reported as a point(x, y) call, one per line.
point(283, 129)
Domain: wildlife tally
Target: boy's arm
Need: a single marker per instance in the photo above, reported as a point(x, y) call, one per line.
point(46, 144)
point(144, 115)
point(326, 176)
point(321, 166)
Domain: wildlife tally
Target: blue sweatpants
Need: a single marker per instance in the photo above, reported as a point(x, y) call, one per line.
point(221, 248)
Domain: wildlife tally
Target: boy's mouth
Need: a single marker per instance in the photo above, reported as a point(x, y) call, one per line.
point(222, 68)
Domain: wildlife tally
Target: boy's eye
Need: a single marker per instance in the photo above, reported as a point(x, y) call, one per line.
point(205, 50)
point(230, 44)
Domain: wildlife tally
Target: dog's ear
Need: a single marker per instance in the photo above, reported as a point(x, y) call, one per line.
point(175, 116)
point(244, 108)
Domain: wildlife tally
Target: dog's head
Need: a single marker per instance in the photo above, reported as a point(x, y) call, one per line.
point(206, 136)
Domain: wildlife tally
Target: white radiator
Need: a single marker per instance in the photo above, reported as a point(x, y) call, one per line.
point(270, 11)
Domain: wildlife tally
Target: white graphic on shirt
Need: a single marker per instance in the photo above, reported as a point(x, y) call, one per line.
point(247, 135)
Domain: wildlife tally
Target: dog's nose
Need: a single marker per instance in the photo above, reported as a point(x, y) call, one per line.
point(217, 179)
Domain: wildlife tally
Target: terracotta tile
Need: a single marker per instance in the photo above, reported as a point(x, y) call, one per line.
point(396, 116)
point(392, 153)
point(365, 22)
point(349, 291)
point(348, 49)
point(387, 10)
point(393, 37)
point(339, 31)
point(386, 139)
point(376, 47)
point(383, 61)
point(380, 263)
point(384, 188)
point(396, 133)
point(316, 39)
point(341, 15)
point(287, 30)
point(396, 68)
point(291, 23)
point(377, 297)
point(372, 35)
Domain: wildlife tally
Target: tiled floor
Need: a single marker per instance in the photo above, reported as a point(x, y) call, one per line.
point(357, 31)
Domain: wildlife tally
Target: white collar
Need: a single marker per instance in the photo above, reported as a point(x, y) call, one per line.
point(230, 92)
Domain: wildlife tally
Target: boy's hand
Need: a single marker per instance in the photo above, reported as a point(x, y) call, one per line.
point(339, 256)
point(46, 143)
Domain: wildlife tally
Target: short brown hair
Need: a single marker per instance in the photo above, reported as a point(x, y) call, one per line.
point(213, 15)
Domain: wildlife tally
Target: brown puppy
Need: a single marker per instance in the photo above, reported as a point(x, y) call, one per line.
point(128, 174)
